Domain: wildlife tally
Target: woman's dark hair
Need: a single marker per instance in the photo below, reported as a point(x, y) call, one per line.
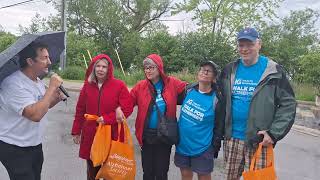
point(30, 52)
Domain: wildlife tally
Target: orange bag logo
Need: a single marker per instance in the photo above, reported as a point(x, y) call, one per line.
point(122, 159)
point(120, 164)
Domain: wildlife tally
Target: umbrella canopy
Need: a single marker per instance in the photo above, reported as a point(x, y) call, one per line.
point(9, 58)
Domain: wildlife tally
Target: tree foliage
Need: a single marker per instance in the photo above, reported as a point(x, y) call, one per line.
point(6, 39)
point(131, 28)
point(111, 20)
point(78, 47)
point(295, 36)
point(40, 24)
point(222, 18)
point(309, 69)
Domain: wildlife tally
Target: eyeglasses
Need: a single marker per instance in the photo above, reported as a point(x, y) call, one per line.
point(149, 68)
point(205, 71)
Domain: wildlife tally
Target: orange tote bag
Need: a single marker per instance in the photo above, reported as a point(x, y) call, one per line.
point(267, 173)
point(101, 143)
point(121, 164)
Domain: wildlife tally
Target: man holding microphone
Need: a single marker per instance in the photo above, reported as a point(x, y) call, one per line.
point(24, 103)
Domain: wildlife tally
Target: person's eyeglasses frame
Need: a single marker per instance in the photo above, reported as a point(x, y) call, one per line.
point(205, 71)
point(149, 68)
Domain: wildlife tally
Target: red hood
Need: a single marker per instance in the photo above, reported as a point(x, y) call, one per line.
point(94, 60)
point(158, 60)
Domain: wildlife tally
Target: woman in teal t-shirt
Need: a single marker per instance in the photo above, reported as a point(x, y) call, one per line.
point(199, 125)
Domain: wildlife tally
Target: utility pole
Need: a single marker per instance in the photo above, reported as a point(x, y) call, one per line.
point(64, 28)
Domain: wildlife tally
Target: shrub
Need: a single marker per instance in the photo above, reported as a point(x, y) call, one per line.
point(73, 72)
point(304, 92)
point(309, 71)
point(6, 40)
point(185, 75)
point(134, 76)
point(131, 78)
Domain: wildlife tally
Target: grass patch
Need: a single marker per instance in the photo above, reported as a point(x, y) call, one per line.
point(76, 81)
point(304, 92)
point(131, 78)
point(66, 80)
point(185, 75)
point(73, 73)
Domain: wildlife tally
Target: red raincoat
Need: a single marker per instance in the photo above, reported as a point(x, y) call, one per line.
point(112, 94)
point(141, 96)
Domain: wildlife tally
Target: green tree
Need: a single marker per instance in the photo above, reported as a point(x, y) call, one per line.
point(184, 51)
point(219, 20)
point(293, 37)
point(161, 43)
point(143, 12)
point(6, 39)
point(40, 24)
point(129, 49)
point(115, 24)
point(309, 69)
point(77, 47)
point(222, 18)
point(198, 47)
point(111, 20)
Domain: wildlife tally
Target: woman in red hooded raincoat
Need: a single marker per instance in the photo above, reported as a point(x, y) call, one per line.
point(155, 154)
point(100, 95)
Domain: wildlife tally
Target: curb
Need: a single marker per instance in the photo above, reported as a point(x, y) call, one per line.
point(77, 89)
point(306, 103)
point(72, 89)
point(305, 130)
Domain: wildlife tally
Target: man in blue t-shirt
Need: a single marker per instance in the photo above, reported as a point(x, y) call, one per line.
point(260, 105)
point(246, 80)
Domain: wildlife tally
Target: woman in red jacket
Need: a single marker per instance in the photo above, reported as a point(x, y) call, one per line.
point(100, 95)
point(165, 89)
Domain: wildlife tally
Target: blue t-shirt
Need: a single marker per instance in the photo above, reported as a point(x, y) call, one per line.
point(196, 123)
point(246, 80)
point(153, 123)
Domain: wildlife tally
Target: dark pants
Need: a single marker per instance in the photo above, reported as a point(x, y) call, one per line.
point(92, 171)
point(22, 163)
point(155, 161)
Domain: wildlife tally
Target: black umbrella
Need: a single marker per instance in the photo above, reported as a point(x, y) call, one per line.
point(9, 58)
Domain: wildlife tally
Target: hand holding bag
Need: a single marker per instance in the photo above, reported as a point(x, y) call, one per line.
point(101, 143)
point(267, 173)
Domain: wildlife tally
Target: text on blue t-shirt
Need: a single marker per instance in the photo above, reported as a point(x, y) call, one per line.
point(196, 123)
point(245, 83)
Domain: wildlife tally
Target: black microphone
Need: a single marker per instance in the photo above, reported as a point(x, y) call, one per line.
point(62, 89)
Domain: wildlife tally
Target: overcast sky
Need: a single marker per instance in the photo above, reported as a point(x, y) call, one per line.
point(13, 16)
